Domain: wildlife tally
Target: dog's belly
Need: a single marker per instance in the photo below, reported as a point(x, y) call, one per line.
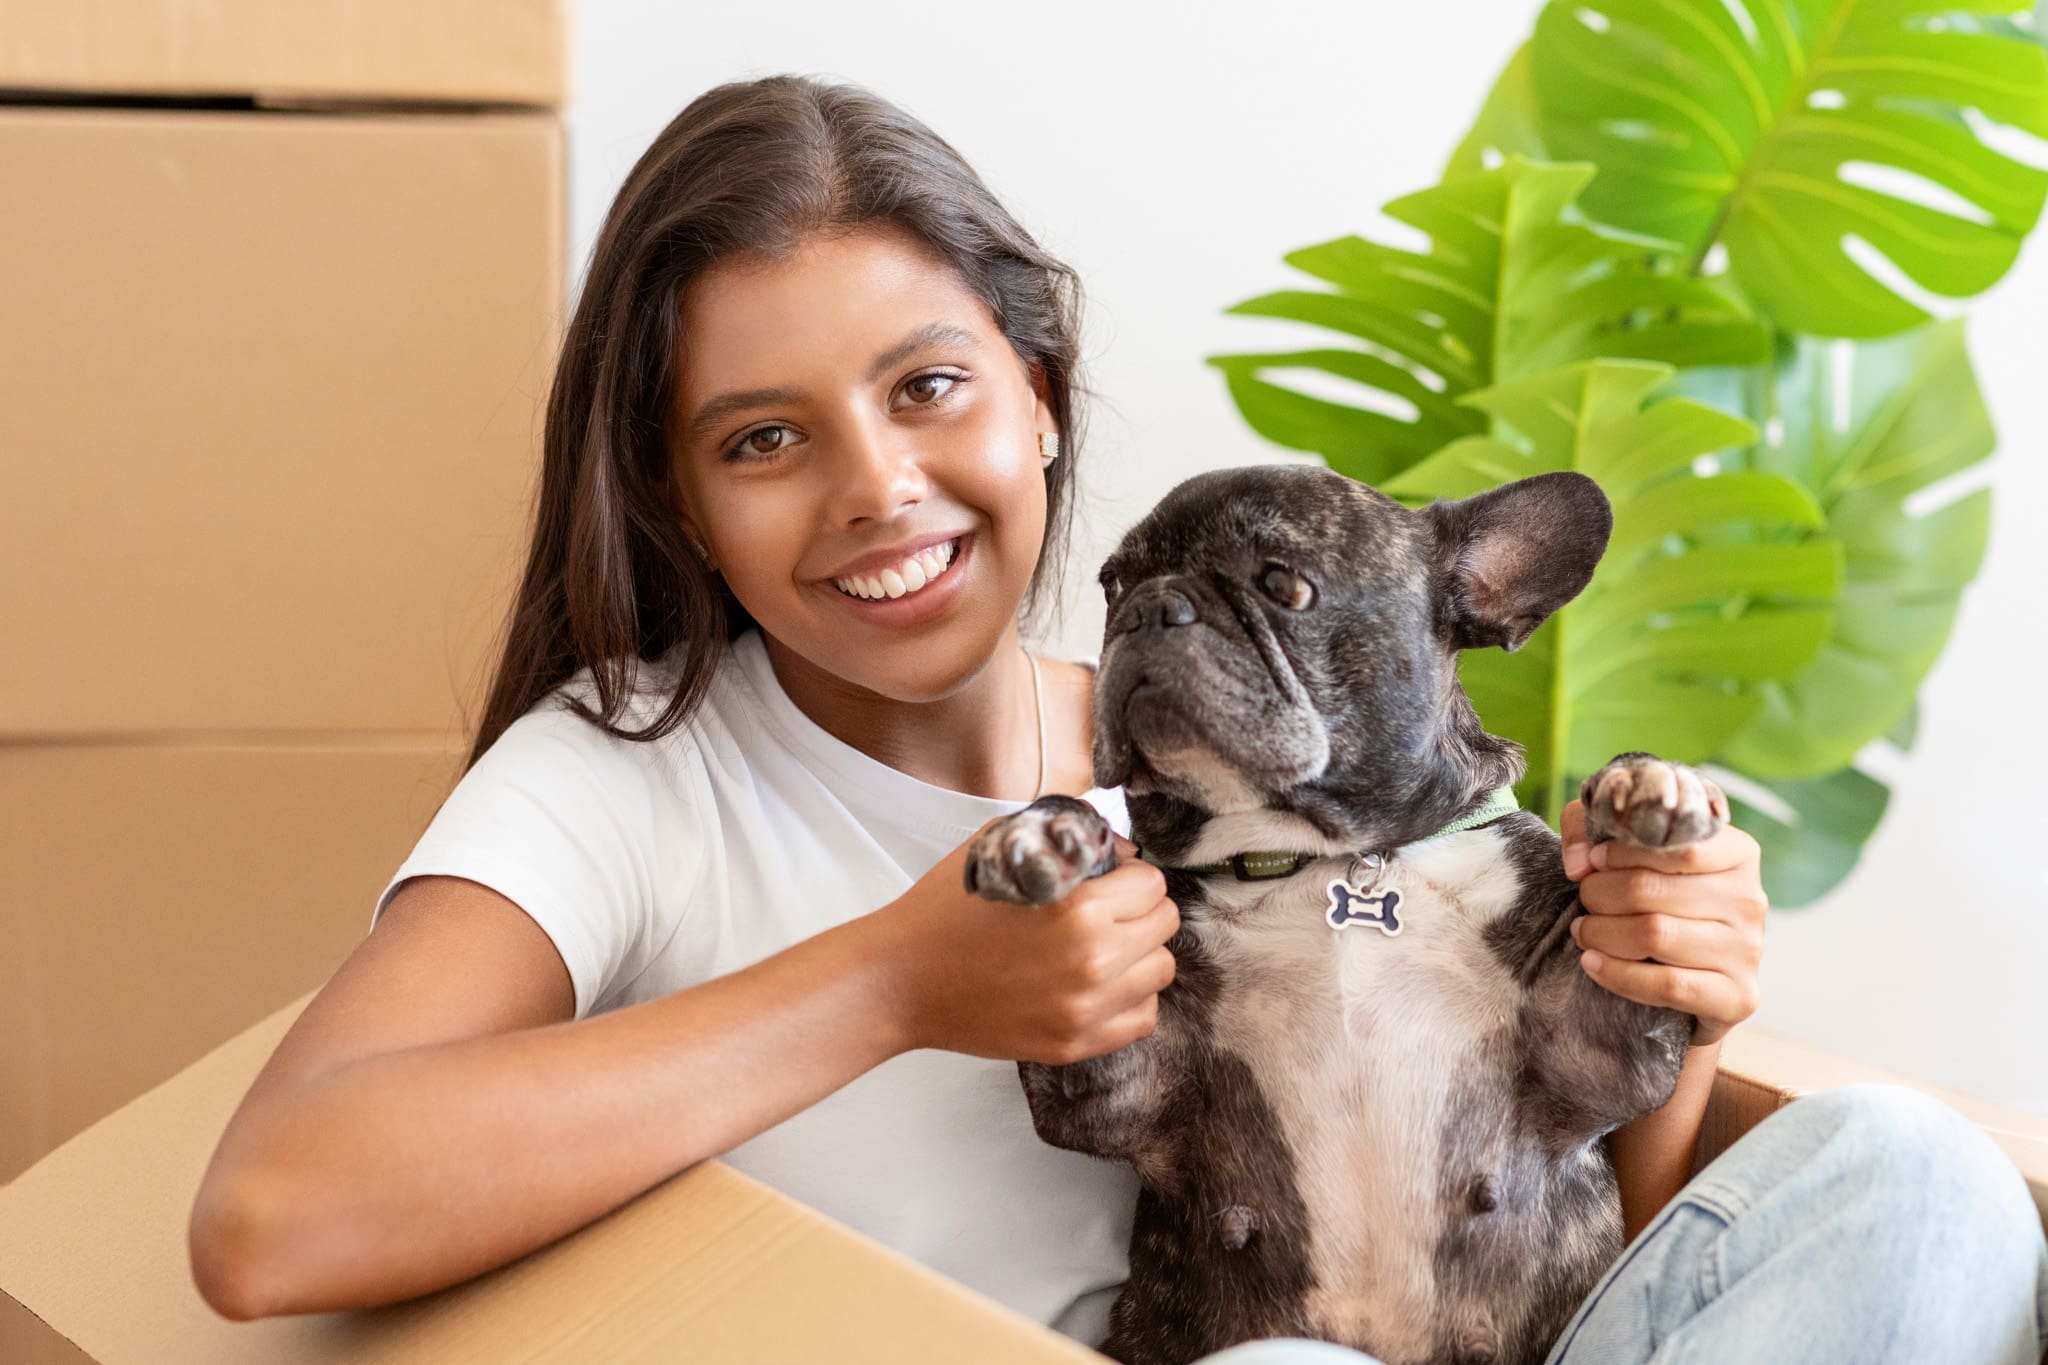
point(1369, 1048)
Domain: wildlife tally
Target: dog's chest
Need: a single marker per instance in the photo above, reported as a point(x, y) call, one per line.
point(1363, 1042)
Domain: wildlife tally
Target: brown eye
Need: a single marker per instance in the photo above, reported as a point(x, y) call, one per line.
point(922, 396)
point(1287, 587)
point(749, 446)
point(1109, 583)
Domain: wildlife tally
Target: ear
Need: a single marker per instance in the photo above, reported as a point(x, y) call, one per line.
point(673, 501)
point(1041, 393)
point(1511, 556)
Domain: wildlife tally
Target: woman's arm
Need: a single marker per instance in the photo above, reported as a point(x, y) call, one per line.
point(1653, 1155)
point(424, 1121)
point(395, 1174)
point(1682, 928)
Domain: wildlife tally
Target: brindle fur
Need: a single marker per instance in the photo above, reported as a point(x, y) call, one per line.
point(1394, 1143)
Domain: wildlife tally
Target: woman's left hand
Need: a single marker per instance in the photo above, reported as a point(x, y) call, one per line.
point(1679, 927)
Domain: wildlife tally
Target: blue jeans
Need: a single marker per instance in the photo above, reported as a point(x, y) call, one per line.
point(1866, 1224)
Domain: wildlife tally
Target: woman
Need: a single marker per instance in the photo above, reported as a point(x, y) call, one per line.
point(810, 447)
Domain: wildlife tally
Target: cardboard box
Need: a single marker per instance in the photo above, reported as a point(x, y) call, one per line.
point(156, 897)
point(484, 51)
point(709, 1267)
point(274, 384)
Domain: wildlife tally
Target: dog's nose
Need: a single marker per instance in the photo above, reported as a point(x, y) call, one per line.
point(1167, 607)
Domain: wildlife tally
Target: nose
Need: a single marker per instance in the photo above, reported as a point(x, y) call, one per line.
point(1160, 608)
point(879, 473)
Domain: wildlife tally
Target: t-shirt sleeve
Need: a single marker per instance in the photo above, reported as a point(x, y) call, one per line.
point(1109, 801)
point(561, 818)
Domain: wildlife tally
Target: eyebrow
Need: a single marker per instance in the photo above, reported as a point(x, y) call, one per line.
point(716, 410)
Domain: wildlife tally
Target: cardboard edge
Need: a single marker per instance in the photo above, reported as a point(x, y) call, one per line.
point(1771, 1063)
point(56, 1334)
point(62, 54)
point(852, 1240)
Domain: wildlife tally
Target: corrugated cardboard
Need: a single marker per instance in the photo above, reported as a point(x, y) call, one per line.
point(709, 1266)
point(490, 51)
point(273, 388)
point(154, 898)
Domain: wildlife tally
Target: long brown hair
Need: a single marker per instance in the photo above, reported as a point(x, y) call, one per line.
point(748, 167)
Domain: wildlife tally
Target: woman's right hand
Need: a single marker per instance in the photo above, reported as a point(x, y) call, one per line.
point(1054, 983)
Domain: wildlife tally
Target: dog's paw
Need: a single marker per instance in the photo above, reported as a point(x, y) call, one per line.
point(1659, 804)
point(1041, 853)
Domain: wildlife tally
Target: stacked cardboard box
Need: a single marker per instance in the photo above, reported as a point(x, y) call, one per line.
point(282, 285)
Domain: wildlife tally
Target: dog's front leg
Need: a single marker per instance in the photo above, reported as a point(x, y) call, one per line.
point(1117, 1105)
point(1110, 1105)
point(1598, 1057)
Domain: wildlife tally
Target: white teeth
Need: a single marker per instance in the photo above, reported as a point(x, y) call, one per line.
point(913, 573)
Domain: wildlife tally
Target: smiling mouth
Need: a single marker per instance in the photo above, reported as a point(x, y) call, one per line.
point(915, 573)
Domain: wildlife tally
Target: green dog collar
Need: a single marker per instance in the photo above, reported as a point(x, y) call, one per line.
point(1266, 864)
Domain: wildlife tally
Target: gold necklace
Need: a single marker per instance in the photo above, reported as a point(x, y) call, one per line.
point(1038, 700)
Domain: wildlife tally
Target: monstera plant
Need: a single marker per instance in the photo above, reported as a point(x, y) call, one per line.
point(1683, 250)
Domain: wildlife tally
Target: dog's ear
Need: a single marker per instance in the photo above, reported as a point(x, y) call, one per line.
point(1511, 556)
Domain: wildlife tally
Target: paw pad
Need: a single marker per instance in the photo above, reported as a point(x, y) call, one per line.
point(1652, 802)
point(1041, 853)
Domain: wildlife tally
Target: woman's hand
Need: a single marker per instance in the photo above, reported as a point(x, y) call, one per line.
point(1054, 983)
point(1679, 927)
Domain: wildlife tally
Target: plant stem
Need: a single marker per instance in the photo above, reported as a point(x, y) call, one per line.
point(1560, 721)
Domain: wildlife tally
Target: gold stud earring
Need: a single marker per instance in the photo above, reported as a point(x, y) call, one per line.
point(1048, 447)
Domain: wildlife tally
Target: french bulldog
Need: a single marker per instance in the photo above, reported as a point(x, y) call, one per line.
point(1373, 1105)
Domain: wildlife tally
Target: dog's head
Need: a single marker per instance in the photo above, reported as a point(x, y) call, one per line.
point(1280, 657)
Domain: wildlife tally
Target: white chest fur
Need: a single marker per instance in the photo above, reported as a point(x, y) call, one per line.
point(1357, 1038)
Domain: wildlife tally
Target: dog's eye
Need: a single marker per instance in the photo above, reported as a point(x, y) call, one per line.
point(1107, 578)
point(1287, 587)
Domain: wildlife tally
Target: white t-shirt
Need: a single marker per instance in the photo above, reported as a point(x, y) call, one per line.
point(658, 866)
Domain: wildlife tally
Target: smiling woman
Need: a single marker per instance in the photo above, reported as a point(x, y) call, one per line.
point(802, 306)
point(872, 495)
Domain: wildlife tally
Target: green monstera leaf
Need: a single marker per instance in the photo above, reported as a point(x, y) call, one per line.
point(1782, 129)
point(1513, 284)
point(1909, 417)
point(1711, 583)
point(1812, 832)
point(1507, 125)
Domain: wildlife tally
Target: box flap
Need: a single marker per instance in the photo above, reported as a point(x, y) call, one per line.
point(710, 1266)
point(1771, 1062)
point(468, 51)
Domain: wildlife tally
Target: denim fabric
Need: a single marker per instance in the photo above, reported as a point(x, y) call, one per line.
point(1866, 1224)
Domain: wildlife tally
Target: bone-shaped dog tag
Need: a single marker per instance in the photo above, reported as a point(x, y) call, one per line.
point(1351, 905)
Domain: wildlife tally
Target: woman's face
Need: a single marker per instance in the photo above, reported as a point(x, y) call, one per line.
point(855, 444)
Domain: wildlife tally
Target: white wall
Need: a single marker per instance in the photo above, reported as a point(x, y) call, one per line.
point(1173, 160)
